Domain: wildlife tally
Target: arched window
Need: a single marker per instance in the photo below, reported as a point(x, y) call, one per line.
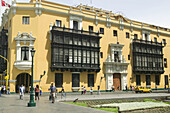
point(24, 53)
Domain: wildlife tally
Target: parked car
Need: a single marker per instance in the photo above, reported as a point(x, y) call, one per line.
point(142, 90)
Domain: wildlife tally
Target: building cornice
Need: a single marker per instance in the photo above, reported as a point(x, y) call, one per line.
point(71, 12)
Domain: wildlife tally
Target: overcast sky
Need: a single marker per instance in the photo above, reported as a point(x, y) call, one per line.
point(156, 12)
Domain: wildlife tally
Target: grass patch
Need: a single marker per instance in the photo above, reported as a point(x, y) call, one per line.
point(115, 110)
point(79, 104)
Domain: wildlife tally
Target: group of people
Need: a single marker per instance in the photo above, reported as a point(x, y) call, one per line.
point(3, 90)
point(37, 90)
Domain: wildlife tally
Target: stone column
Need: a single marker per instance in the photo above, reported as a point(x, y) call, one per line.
point(109, 81)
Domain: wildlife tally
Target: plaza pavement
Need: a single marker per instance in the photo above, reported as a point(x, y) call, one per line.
point(12, 103)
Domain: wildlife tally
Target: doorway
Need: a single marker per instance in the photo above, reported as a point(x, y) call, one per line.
point(25, 79)
point(117, 81)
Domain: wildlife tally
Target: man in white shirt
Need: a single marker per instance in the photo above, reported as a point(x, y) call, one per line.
point(21, 92)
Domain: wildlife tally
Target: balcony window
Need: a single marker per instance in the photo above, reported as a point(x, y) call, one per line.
point(101, 30)
point(25, 20)
point(58, 23)
point(135, 36)
point(90, 28)
point(127, 35)
point(164, 42)
point(24, 53)
point(116, 56)
point(155, 40)
point(75, 25)
point(114, 32)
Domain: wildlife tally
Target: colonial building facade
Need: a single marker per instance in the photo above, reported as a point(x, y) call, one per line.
point(81, 45)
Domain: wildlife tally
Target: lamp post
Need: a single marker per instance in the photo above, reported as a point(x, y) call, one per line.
point(7, 77)
point(31, 102)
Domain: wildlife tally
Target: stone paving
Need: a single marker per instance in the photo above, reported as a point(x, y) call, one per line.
point(133, 105)
point(11, 103)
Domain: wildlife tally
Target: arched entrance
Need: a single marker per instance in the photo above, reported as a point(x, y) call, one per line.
point(25, 79)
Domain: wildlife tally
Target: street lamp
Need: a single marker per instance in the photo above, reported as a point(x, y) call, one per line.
point(31, 102)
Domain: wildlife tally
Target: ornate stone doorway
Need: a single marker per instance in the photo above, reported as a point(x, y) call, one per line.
point(117, 81)
point(25, 79)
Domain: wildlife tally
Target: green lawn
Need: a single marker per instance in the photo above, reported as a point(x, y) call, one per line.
point(155, 101)
point(115, 110)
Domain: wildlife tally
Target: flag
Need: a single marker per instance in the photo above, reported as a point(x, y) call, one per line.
point(3, 3)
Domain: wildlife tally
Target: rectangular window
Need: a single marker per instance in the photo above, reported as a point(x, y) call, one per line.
point(90, 80)
point(165, 62)
point(96, 57)
point(166, 79)
point(127, 35)
point(135, 36)
point(79, 56)
point(155, 39)
point(101, 30)
point(157, 79)
point(58, 23)
point(75, 80)
point(75, 25)
point(90, 28)
point(58, 79)
point(114, 32)
point(84, 56)
point(164, 42)
point(148, 80)
point(101, 54)
point(88, 57)
point(92, 57)
point(25, 20)
point(70, 56)
point(75, 56)
point(138, 81)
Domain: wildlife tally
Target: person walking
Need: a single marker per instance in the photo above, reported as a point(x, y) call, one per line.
point(37, 91)
point(21, 92)
point(40, 91)
point(8, 92)
point(62, 92)
point(91, 91)
point(53, 91)
point(98, 90)
point(4, 89)
point(82, 89)
point(0, 91)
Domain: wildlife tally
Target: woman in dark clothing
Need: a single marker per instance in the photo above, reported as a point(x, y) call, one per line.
point(37, 91)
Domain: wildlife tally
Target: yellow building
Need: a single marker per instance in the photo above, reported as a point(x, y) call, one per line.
point(83, 45)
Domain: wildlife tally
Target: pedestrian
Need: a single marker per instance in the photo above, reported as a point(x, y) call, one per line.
point(165, 86)
point(82, 89)
point(40, 91)
point(21, 91)
point(53, 91)
point(8, 92)
point(156, 87)
point(37, 91)
point(126, 87)
point(91, 91)
point(62, 91)
point(113, 88)
point(130, 87)
point(98, 90)
point(4, 89)
point(118, 87)
point(133, 89)
point(56, 93)
point(0, 91)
